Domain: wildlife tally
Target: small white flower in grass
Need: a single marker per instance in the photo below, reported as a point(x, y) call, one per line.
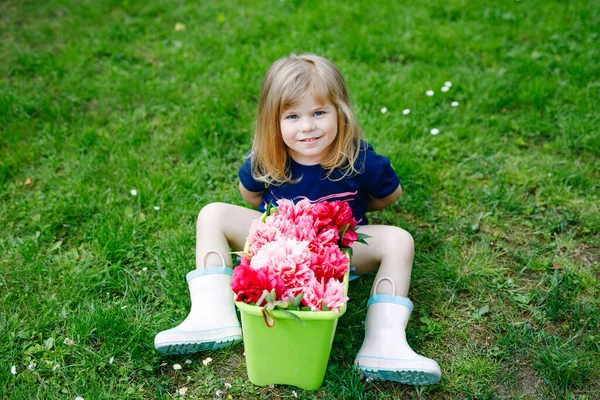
point(454, 104)
point(445, 88)
point(145, 269)
point(406, 112)
point(183, 391)
point(448, 84)
point(429, 93)
point(179, 27)
point(295, 394)
point(57, 366)
point(384, 110)
point(112, 359)
point(369, 379)
point(69, 341)
point(133, 192)
point(31, 366)
point(435, 131)
point(156, 208)
point(162, 364)
point(78, 398)
point(13, 370)
point(176, 367)
point(228, 385)
point(207, 361)
point(188, 361)
point(219, 392)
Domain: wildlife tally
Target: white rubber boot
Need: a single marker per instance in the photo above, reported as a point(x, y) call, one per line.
point(212, 322)
point(385, 354)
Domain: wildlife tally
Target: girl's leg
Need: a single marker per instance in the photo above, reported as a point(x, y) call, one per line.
point(212, 322)
point(391, 249)
point(385, 353)
point(219, 227)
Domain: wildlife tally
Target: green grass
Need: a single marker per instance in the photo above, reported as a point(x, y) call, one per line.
point(99, 98)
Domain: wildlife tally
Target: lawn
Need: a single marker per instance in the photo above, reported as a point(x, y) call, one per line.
point(100, 98)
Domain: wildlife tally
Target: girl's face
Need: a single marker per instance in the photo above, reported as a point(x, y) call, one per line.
point(308, 129)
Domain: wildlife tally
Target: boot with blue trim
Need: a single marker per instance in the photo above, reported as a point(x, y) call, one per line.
point(212, 322)
point(385, 353)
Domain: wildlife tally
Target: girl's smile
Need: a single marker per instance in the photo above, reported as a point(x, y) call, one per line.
point(308, 129)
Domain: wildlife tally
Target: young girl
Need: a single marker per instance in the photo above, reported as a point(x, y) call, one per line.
point(308, 145)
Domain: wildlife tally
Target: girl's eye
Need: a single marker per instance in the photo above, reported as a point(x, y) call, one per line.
point(292, 116)
point(319, 113)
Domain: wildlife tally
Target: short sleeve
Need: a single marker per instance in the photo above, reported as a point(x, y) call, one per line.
point(380, 178)
point(245, 174)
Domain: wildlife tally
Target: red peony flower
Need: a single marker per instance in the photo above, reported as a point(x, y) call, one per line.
point(329, 262)
point(248, 283)
point(336, 214)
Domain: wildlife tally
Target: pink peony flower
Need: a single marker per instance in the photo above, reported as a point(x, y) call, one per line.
point(294, 212)
point(335, 295)
point(287, 258)
point(248, 283)
point(332, 294)
point(278, 226)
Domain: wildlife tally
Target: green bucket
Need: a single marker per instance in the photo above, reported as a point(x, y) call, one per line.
point(288, 353)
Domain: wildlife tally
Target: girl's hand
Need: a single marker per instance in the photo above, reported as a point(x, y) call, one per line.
point(379, 204)
point(253, 198)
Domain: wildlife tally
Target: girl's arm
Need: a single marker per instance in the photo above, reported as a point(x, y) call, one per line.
point(378, 204)
point(253, 198)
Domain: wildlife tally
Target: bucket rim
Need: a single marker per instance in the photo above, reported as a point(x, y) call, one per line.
point(303, 315)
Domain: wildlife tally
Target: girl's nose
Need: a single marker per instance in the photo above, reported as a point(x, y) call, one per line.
point(307, 125)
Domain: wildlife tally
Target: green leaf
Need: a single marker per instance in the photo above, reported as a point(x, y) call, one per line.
point(49, 343)
point(349, 252)
point(362, 238)
point(294, 317)
point(262, 297)
point(298, 299)
point(342, 233)
point(481, 312)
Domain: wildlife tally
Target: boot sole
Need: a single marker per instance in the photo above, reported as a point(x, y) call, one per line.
point(409, 377)
point(188, 348)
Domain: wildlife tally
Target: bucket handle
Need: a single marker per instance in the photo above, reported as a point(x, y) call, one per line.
point(384, 278)
point(209, 252)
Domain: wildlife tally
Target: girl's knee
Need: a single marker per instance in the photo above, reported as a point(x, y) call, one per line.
point(212, 213)
point(400, 239)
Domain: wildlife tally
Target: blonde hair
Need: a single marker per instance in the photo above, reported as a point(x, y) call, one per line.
point(287, 81)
